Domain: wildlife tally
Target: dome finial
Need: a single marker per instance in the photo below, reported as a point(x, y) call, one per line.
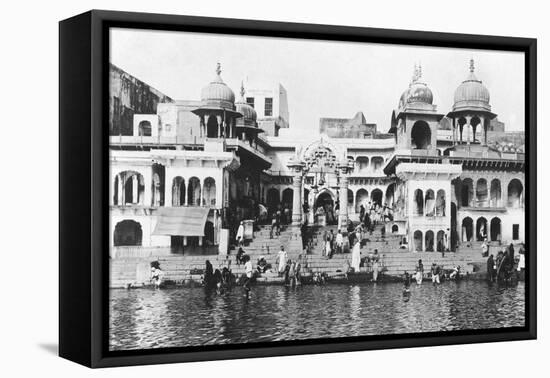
point(472, 68)
point(415, 74)
point(419, 75)
point(218, 68)
point(242, 89)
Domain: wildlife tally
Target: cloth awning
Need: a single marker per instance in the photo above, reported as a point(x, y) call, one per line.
point(181, 221)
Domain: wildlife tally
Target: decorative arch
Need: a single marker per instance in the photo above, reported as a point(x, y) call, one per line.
point(481, 228)
point(377, 162)
point(209, 197)
point(496, 193)
point(377, 196)
point(467, 193)
point(440, 203)
point(178, 191)
point(440, 241)
point(429, 242)
point(133, 187)
point(362, 164)
point(467, 229)
point(288, 195)
point(390, 194)
point(127, 233)
point(515, 194)
point(144, 128)
point(496, 229)
point(482, 194)
point(430, 203)
point(421, 136)
point(419, 202)
point(212, 127)
point(272, 199)
point(417, 238)
point(194, 192)
point(361, 198)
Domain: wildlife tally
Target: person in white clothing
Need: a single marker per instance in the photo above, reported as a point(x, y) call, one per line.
point(339, 242)
point(281, 260)
point(248, 278)
point(240, 234)
point(356, 256)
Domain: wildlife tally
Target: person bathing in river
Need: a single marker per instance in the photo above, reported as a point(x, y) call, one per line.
point(419, 275)
point(406, 281)
point(375, 265)
point(455, 274)
point(156, 274)
point(491, 268)
point(436, 272)
point(281, 260)
point(248, 276)
point(356, 255)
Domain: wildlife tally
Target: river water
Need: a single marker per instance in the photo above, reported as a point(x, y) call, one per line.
point(148, 318)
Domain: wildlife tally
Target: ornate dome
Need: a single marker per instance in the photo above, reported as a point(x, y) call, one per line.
point(472, 94)
point(217, 93)
point(418, 91)
point(249, 113)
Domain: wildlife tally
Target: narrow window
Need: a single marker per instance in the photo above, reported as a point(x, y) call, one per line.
point(515, 231)
point(268, 107)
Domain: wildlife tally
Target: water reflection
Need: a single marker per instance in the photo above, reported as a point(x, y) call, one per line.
point(190, 316)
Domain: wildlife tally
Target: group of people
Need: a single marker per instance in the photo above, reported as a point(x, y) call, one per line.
point(436, 271)
point(506, 264)
point(221, 280)
point(374, 214)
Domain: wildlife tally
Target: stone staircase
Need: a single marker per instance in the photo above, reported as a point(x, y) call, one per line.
point(187, 269)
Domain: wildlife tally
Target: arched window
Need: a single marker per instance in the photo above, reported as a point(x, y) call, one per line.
point(157, 186)
point(419, 202)
point(361, 198)
point(429, 246)
point(421, 136)
point(144, 128)
point(481, 229)
point(133, 187)
point(467, 193)
point(288, 195)
point(496, 193)
point(178, 191)
point(467, 229)
point(515, 194)
point(362, 164)
point(417, 236)
point(115, 191)
point(194, 192)
point(394, 228)
point(496, 229)
point(209, 192)
point(440, 203)
point(377, 163)
point(482, 194)
point(430, 203)
point(127, 232)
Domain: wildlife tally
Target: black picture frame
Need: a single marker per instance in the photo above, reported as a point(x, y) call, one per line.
point(83, 159)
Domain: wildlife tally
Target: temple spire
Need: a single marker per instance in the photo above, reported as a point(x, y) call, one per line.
point(472, 68)
point(242, 89)
point(218, 68)
point(419, 74)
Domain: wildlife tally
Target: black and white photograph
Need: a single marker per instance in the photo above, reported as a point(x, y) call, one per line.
point(266, 189)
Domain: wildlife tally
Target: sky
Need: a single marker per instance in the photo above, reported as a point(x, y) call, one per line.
point(322, 78)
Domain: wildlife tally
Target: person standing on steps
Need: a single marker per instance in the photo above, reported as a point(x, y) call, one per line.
point(339, 242)
point(240, 235)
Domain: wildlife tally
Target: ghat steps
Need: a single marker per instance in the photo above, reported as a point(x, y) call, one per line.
point(184, 268)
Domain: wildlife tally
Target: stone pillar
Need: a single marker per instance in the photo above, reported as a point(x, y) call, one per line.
point(120, 197)
point(468, 129)
point(219, 121)
point(343, 213)
point(296, 167)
